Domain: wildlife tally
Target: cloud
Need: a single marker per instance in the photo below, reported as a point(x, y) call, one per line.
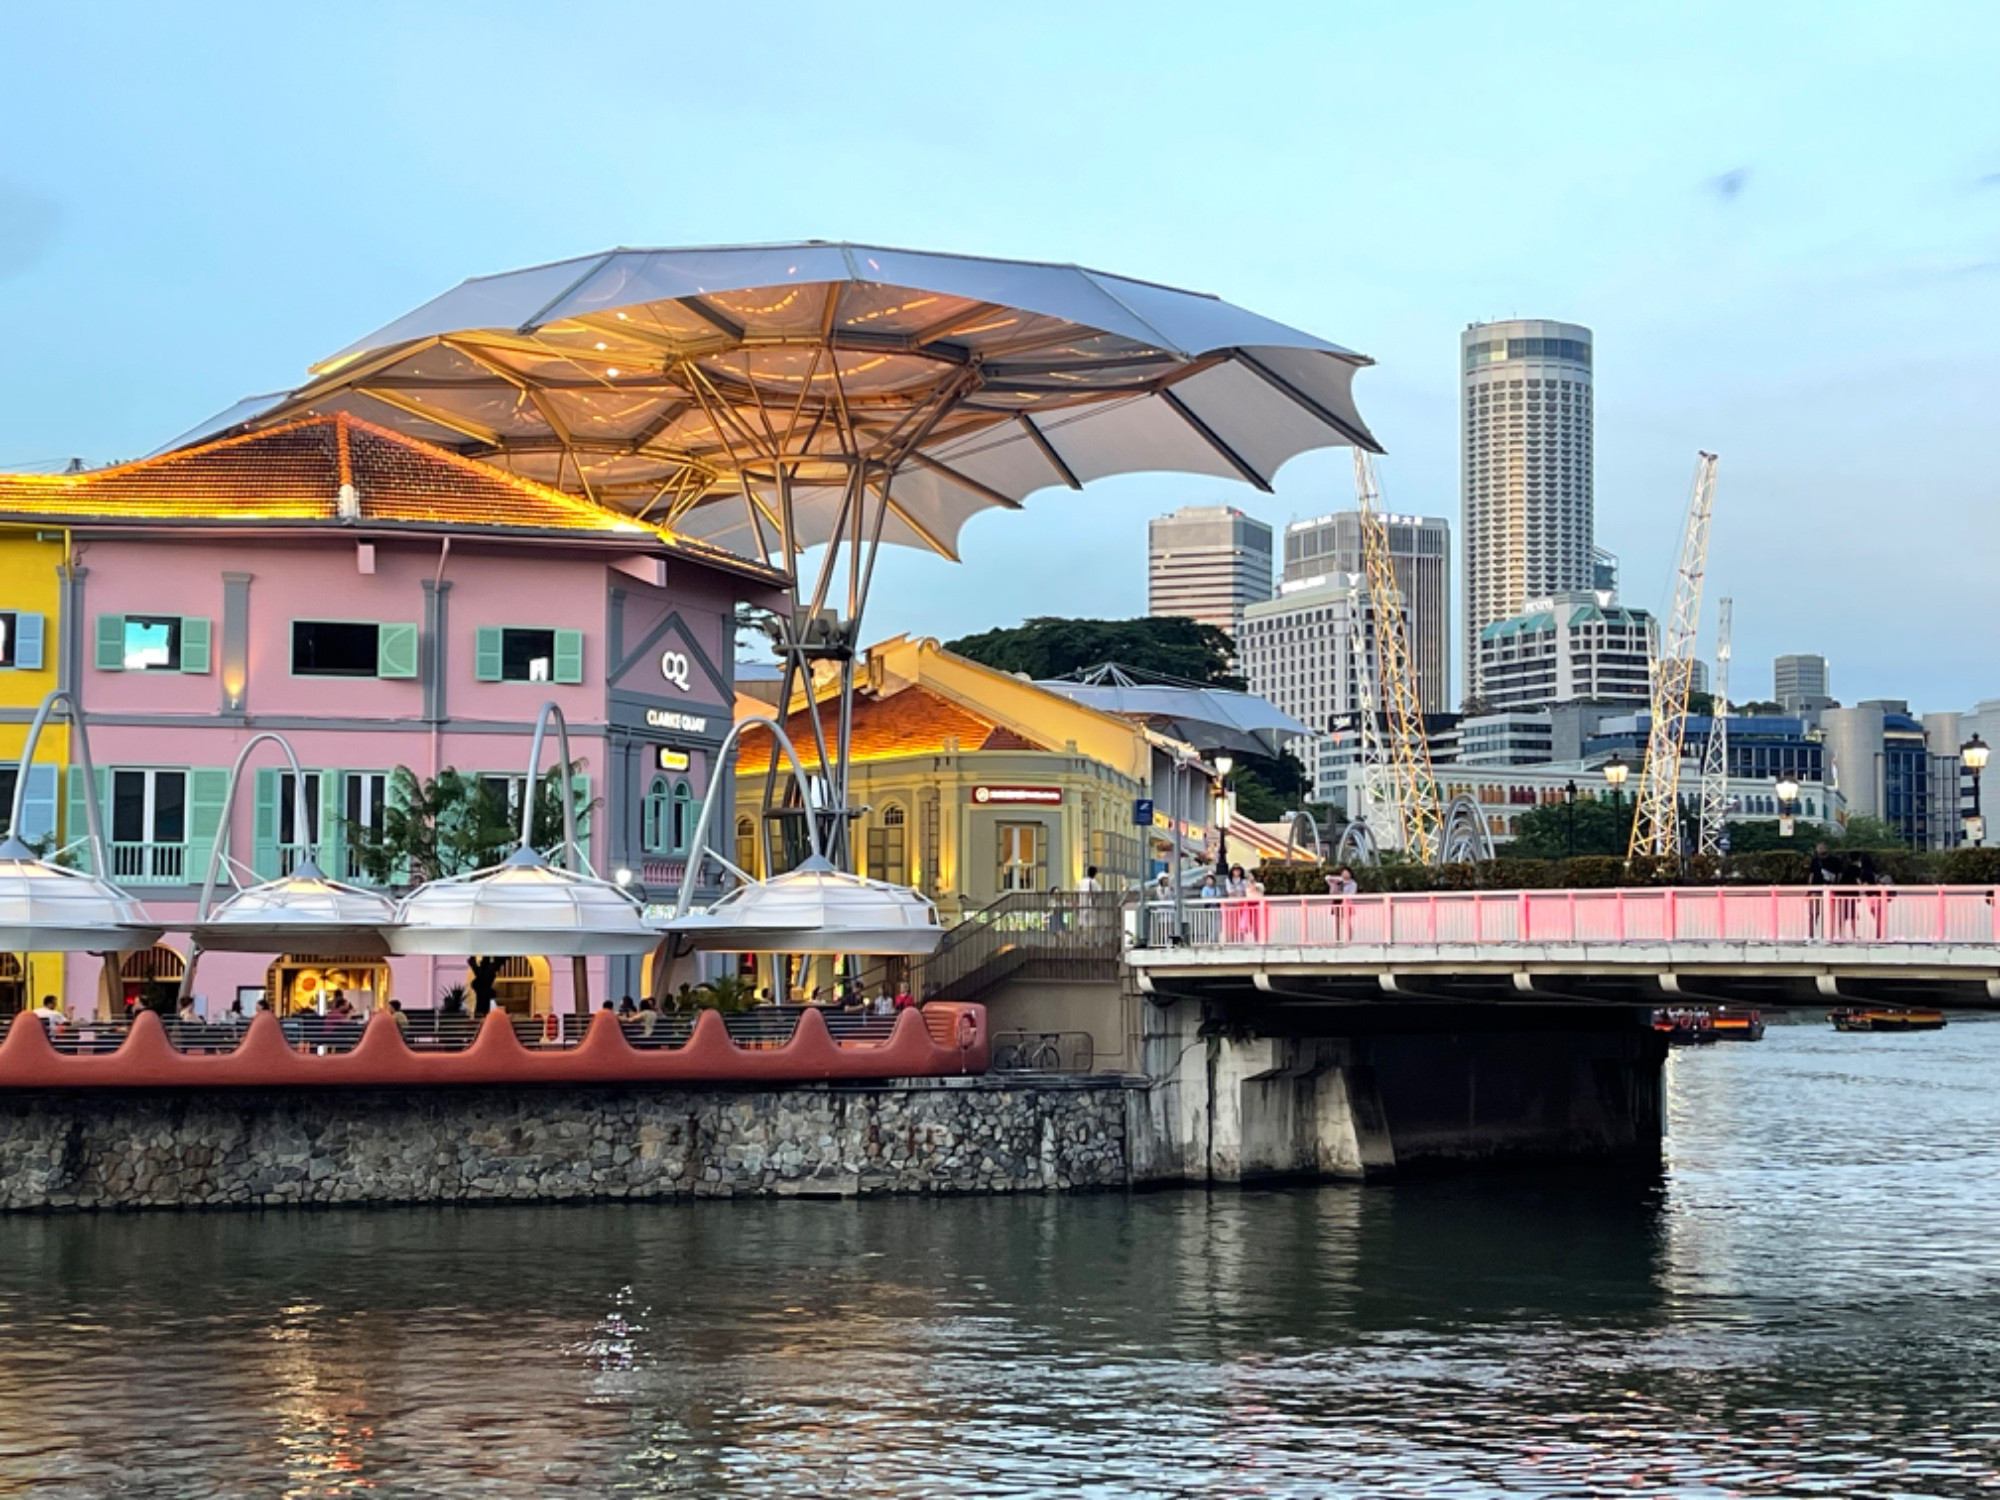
point(1730, 184)
point(29, 223)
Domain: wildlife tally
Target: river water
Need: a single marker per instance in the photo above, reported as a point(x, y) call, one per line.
point(1805, 1303)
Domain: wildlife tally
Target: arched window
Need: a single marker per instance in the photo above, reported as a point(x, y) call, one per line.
point(746, 845)
point(681, 828)
point(886, 848)
point(653, 826)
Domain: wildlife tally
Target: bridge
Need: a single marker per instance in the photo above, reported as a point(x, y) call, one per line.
point(1354, 1036)
point(1644, 946)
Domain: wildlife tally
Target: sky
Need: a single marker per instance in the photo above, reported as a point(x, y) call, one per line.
point(1782, 223)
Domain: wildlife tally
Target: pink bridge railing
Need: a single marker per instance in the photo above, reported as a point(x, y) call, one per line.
point(1692, 914)
point(942, 1039)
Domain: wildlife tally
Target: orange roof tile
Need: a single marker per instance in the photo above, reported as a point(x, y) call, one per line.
point(912, 721)
point(295, 472)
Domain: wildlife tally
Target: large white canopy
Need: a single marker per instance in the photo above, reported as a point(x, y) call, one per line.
point(743, 393)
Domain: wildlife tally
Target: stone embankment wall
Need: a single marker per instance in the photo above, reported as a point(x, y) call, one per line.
point(141, 1150)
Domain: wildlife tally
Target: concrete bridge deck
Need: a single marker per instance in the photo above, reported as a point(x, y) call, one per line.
point(1774, 946)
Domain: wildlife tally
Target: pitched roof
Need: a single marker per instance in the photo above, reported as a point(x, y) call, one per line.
point(295, 474)
point(911, 721)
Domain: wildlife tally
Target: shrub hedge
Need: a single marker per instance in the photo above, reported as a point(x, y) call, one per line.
point(1602, 871)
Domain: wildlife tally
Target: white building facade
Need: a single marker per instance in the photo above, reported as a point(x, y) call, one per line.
point(1420, 553)
point(1581, 646)
point(1526, 472)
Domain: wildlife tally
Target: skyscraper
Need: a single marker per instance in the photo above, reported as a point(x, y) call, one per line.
point(1420, 550)
point(1526, 470)
point(1800, 683)
point(1209, 563)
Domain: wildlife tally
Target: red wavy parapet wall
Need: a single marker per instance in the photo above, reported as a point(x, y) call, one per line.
point(943, 1040)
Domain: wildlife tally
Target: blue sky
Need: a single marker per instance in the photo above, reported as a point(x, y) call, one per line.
point(1782, 222)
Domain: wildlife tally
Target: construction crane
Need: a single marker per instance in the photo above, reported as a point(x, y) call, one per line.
point(1396, 755)
point(1715, 760)
point(1656, 818)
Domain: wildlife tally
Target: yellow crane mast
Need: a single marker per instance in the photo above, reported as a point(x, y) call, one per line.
point(1405, 771)
point(1656, 818)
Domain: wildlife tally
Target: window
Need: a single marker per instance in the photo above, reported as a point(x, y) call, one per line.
point(353, 648)
point(746, 845)
point(682, 828)
point(1020, 849)
point(509, 653)
point(292, 842)
point(886, 847)
point(21, 640)
point(151, 643)
point(364, 802)
point(653, 829)
point(148, 824)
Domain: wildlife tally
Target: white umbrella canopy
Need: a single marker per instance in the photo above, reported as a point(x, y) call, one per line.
point(47, 908)
point(815, 909)
point(522, 907)
point(299, 913)
point(736, 393)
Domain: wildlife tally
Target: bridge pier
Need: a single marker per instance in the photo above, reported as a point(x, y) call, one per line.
point(1366, 1091)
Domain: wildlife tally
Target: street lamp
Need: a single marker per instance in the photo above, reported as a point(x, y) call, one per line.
point(1787, 788)
point(1972, 754)
point(1569, 814)
point(1615, 772)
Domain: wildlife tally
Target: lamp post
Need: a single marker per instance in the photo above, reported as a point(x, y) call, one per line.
point(1615, 772)
point(1972, 755)
point(1224, 764)
point(1569, 814)
point(1787, 788)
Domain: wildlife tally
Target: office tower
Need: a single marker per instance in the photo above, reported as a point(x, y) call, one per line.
point(1305, 651)
point(1420, 550)
point(1569, 648)
point(1207, 562)
point(1800, 683)
point(1525, 471)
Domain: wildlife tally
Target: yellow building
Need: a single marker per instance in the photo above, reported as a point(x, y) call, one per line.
point(31, 566)
point(975, 782)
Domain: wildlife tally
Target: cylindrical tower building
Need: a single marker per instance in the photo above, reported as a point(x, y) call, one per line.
point(1526, 464)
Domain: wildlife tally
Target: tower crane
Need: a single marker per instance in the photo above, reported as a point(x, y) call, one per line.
point(1715, 760)
point(1656, 817)
point(1396, 755)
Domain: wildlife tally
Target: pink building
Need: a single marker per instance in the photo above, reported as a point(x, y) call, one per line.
point(382, 604)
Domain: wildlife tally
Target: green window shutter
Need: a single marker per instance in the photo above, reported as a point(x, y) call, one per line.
point(569, 656)
point(77, 831)
point(332, 827)
point(207, 786)
point(264, 858)
point(579, 790)
point(487, 654)
point(27, 643)
point(110, 643)
point(396, 651)
point(194, 643)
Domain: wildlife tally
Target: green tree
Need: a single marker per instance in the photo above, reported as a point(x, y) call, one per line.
point(1864, 832)
point(1544, 832)
point(1166, 646)
point(1269, 786)
point(454, 823)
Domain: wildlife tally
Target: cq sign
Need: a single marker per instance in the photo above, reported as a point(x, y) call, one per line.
point(674, 667)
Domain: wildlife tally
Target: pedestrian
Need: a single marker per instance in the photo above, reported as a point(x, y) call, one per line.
point(185, 1014)
point(51, 1014)
point(1239, 883)
point(396, 1014)
point(1210, 891)
point(234, 1017)
point(1349, 886)
point(626, 1009)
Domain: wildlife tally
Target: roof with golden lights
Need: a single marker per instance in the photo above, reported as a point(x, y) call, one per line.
point(911, 721)
point(330, 470)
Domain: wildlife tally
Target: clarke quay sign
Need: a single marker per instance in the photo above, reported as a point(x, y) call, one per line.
point(1017, 796)
point(667, 718)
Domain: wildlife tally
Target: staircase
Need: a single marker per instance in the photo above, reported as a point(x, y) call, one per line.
point(1059, 935)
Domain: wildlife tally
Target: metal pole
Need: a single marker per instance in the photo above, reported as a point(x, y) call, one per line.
point(1174, 848)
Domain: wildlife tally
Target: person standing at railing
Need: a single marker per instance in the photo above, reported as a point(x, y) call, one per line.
point(1823, 873)
point(51, 1015)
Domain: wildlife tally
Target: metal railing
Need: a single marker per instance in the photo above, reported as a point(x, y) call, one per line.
point(1847, 915)
point(149, 864)
point(454, 1031)
point(1064, 934)
point(1043, 1052)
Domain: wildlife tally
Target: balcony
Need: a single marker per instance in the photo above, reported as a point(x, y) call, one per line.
point(149, 864)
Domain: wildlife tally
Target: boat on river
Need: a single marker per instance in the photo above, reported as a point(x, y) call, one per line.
point(1685, 1025)
point(1737, 1023)
point(1886, 1018)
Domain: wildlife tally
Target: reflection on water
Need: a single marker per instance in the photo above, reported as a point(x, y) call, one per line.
point(1807, 1303)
